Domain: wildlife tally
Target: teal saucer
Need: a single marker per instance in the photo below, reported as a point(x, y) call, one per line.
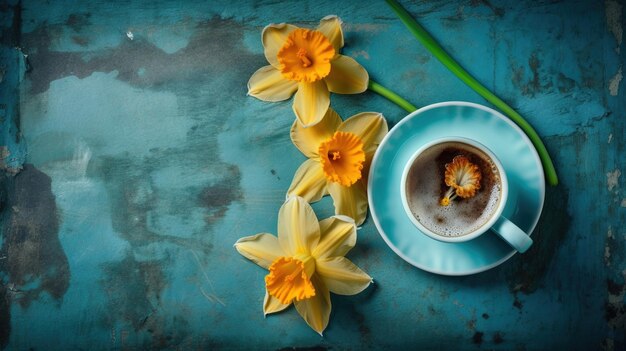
point(461, 119)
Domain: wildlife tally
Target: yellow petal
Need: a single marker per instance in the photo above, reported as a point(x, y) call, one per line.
point(316, 310)
point(371, 127)
point(298, 228)
point(346, 76)
point(273, 38)
point(341, 276)
point(330, 26)
point(272, 304)
point(309, 182)
point(338, 236)
point(268, 84)
point(308, 140)
point(262, 249)
point(311, 102)
point(350, 201)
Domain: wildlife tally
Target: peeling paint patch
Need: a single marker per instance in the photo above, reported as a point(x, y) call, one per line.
point(610, 138)
point(614, 306)
point(607, 247)
point(35, 261)
point(364, 27)
point(614, 20)
point(615, 312)
point(612, 179)
point(361, 53)
point(4, 154)
point(614, 82)
point(623, 204)
point(537, 81)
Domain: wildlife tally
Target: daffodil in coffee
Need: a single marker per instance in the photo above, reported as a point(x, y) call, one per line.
point(453, 188)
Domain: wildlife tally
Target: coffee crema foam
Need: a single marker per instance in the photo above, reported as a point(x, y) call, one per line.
point(425, 186)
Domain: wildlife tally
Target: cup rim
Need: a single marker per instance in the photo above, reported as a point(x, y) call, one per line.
point(483, 228)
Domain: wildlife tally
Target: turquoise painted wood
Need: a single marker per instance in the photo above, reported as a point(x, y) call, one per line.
point(133, 160)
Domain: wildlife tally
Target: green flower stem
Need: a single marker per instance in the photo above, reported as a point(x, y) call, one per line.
point(431, 44)
point(393, 97)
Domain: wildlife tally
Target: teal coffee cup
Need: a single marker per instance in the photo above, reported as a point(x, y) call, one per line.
point(454, 189)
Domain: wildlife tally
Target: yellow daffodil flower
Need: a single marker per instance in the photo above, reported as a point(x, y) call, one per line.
point(305, 262)
point(463, 178)
point(339, 156)
point(306, 61)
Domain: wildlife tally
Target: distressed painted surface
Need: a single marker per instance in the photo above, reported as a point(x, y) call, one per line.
point(145, 162)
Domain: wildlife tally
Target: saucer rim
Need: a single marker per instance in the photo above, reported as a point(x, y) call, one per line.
point(375, 160)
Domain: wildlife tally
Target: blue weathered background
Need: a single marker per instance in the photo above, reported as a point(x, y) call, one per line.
point(140, 160)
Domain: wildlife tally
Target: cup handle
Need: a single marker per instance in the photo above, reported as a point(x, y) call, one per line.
point(512, 234)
